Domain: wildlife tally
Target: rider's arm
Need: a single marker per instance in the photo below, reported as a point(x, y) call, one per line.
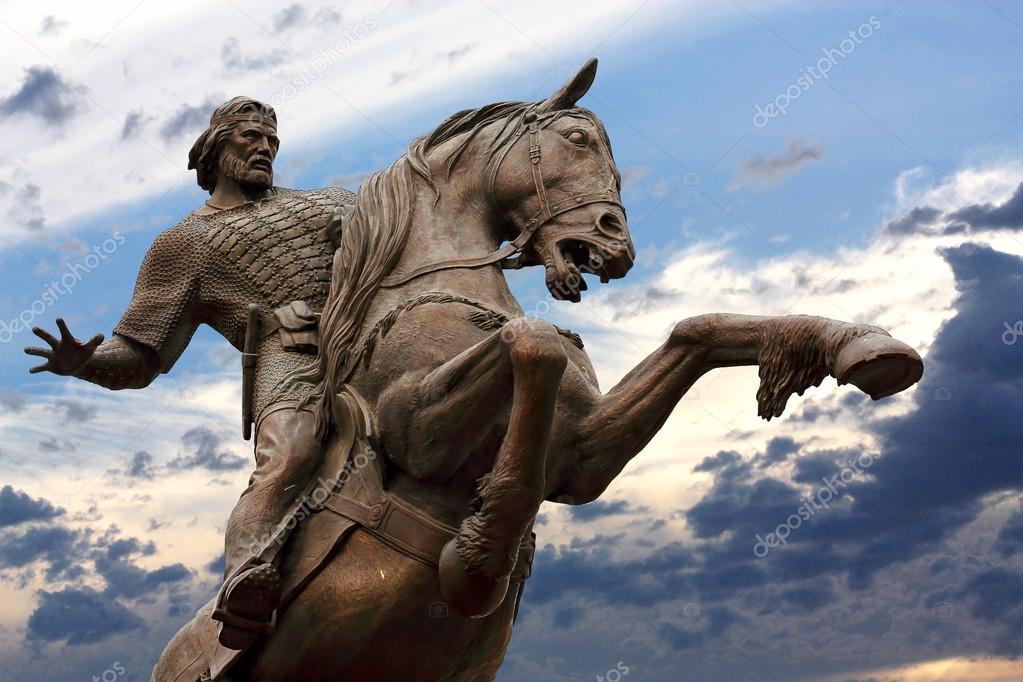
point(120, 363)
point(160, 320)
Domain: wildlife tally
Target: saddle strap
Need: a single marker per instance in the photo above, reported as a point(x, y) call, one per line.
point(399, 525)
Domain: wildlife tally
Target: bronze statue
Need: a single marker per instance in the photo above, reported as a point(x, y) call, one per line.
point(253, 263)
point(448, 416)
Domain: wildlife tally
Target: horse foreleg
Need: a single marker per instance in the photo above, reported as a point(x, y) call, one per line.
point(437, 418)
point(794, 353)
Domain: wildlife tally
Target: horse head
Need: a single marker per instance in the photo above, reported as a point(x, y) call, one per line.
point(559, 192)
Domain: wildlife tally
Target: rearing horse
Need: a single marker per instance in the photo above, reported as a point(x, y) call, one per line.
point(467, 415)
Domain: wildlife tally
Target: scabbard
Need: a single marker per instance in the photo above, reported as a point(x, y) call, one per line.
point(250, 354)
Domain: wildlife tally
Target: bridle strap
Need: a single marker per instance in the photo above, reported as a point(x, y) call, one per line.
point(546, 213)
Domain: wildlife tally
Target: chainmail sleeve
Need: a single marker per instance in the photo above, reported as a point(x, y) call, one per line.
point(165, 308)
point(120, 363)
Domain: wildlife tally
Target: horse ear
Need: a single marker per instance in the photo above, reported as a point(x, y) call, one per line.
point(573, 89)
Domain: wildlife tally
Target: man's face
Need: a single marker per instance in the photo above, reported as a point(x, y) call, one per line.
point(248, 155)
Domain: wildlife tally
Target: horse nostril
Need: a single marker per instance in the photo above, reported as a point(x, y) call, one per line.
point(610, 224)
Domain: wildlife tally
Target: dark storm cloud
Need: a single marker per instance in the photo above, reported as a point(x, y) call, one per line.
point(917, 220)
point(124, 579)
point(594, 572)
point(203, 451)
point(79, 616)
point(767, 170)
point(1010, 537)
point(58, 547)
point(18, 507)
point(1008, 215)
point(958, 446)
point(600, 509)
point(189, 118)
point(937, 467)
point(43, 94)
point(778, 450)
point(967, 220)
point(233, 59)
point(216, 566)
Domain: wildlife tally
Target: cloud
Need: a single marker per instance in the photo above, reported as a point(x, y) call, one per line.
point(133, 123)
point(599, 509)
point(75, 411)
point(767, 170)
point(968, 220)
point(58, 547)
point(204, 452)
point(1008, 215)
point(18, 507)
point(326, 16)
point(141, 465)
point(12, 401)
point(349, 180)
point(126, 580)
point(231, 56)
point(43, 94)
point(51, 25)
point(25, 210)
point(189, 118)
point(79, 616)
point(289, 17)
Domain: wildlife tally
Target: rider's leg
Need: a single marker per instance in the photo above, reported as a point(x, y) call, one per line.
point(287, 454)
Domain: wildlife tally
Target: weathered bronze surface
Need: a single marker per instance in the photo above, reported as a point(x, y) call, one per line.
point(448, 414)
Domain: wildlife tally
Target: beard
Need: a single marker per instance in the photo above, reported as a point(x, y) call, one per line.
point(241, 171)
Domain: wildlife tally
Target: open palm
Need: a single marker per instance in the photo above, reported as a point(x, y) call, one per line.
point(64, 356)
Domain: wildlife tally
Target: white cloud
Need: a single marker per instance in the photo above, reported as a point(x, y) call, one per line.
point(145, 61)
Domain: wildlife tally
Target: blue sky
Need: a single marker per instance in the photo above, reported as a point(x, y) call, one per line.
point(919, 124)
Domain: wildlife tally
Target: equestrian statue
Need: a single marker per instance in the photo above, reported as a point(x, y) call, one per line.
point(410, 417)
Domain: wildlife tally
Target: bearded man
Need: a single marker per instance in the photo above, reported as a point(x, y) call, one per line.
point(254, 263)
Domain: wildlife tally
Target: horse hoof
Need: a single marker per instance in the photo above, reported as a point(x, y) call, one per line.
point(878, 365)
point(471, 594)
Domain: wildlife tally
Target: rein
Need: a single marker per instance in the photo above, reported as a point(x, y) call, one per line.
point(547, 213)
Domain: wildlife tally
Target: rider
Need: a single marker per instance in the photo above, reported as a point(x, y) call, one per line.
point(250, 243)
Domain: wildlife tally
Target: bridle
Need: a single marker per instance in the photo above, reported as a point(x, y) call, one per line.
point(510, 255)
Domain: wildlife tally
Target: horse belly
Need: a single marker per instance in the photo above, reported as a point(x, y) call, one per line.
point(374, 614)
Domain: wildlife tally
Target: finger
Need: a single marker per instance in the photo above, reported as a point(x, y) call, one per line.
point(94, 341)
point(41, 352)
point(38, 369)
point(65, 333)
point(45, 336)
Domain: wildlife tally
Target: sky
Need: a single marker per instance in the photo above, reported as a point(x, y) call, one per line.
point(859, 161)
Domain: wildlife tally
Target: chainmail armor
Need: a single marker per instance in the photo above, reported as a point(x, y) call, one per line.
point(208, 268)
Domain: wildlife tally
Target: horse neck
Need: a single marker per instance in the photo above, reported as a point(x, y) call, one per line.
point(455, 227)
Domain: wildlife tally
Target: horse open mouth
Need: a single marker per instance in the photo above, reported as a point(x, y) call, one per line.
point(571, 257)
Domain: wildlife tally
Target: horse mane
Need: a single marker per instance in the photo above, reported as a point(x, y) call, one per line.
point(373, 238)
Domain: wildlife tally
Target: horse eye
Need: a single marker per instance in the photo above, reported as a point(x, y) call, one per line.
point(577, 137)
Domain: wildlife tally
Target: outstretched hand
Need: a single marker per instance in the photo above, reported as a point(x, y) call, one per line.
point(64, 356)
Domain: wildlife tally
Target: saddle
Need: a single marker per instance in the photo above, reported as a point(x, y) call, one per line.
point(348, 494)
